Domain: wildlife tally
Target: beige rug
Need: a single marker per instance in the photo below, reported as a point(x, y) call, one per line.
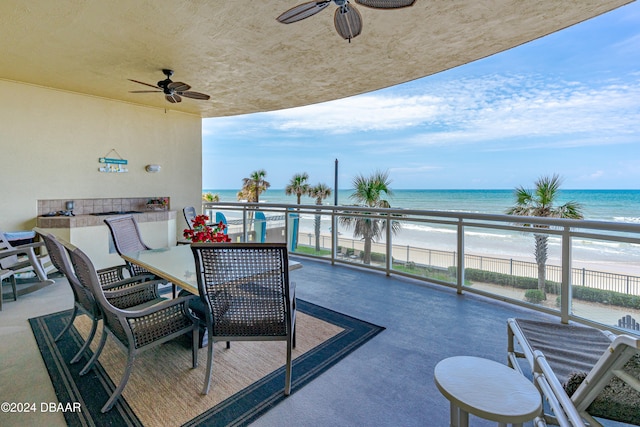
point(163, 389)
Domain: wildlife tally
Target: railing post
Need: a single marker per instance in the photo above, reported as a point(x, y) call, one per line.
point(389, 246)
point(565, 291)
point(245, 236)
point(627, 285)
point(460, 271)
point(334, 236)
point(286, 230)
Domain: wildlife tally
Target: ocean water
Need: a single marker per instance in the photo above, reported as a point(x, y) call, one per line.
point(600, 205)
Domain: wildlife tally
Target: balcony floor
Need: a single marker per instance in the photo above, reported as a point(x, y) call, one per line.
point(386, 382)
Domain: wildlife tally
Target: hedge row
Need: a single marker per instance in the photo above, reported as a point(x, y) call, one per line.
point(579, 292)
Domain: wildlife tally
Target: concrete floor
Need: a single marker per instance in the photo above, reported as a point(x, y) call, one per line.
point(386, 382)
point(23, 376)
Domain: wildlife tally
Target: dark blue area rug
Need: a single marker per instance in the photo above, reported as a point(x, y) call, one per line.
point(93, 389)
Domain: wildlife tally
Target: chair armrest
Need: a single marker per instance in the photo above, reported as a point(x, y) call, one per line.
point(561, 404)
point(132, 294)
point(130, 281)
point(165, 305)
point(111, 274)
point(16, 251)
point(292, 292)
point(29, 245)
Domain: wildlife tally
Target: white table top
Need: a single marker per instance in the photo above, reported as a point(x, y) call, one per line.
point(175, 264)
point(488, 389)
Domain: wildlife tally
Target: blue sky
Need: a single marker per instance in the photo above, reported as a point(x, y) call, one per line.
point(568, 103)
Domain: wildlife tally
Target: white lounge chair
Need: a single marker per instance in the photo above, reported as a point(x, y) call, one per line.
point(22, 259)
point(559, 354)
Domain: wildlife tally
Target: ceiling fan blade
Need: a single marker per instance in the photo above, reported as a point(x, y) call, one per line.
point(143, 83)
point(178, 86)
point(144, 91)
point(348, 22)
point(194, 95)
point(302, 11)
point(173, 98)
point(386, 4)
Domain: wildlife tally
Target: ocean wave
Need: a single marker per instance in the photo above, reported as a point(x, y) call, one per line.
point(632, 219)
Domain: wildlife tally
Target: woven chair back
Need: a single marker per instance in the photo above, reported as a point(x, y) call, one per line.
point(88, 277)
point(189, 215)
point(245, 287)
point(126, 234)
point(127, 238)
point(59, 258)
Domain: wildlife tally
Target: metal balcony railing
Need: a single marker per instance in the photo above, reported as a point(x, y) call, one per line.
point(320, 231)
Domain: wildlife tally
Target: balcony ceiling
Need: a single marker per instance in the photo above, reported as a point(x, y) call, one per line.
point(248, 62)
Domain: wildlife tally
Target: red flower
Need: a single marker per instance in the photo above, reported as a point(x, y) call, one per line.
point(202, 232)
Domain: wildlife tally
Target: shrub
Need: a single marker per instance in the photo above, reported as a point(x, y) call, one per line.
point(579, 292)
point(375, 256)
point(534, 296)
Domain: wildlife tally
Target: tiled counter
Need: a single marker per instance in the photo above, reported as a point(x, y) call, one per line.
point(90, 233)
point(95, 220)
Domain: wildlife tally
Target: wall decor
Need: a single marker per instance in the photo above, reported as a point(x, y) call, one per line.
point(113, 164)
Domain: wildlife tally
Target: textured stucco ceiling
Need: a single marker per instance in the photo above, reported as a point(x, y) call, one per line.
point(239, 54)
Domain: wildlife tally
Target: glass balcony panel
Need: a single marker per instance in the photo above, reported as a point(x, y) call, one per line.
point(426, 250)
point(312, 233)
point(502, 262)
point(498, 253)
point(605, 280)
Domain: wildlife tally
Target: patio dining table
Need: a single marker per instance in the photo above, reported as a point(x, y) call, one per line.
point(175, 264)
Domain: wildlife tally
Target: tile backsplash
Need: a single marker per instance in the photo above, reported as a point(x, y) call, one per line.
point(90, 206)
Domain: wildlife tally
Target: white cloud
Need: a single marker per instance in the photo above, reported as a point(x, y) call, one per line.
point(360, 113)
point(529, 109)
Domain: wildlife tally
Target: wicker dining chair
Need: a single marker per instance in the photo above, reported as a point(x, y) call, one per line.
point(127, 238)
point(246, 291)
point(135, 329)
point(133, 291)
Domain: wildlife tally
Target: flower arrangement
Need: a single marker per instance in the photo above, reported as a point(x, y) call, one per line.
point(202, 232)
point(158, 204)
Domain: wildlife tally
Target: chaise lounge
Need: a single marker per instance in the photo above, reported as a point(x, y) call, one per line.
point(581, 372)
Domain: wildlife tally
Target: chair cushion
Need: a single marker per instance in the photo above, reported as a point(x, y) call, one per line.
point(567, 348)
point(618, 401)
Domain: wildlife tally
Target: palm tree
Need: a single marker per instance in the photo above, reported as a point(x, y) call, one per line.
point(298, 185)
point(255, 184)
point(210, 197)
point(540, 202)
point(319, 192)
point(369, 192)
point(247, 194)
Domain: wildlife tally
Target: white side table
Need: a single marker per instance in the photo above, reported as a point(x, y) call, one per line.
point(486, 389)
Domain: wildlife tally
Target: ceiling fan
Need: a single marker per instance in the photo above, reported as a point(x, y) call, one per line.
point(173, 91)
point(347, 19)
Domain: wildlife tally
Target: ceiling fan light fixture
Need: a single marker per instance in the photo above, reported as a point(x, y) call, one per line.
point(173, 91)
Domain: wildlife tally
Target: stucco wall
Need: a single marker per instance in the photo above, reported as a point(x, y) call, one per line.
point(50, 142)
